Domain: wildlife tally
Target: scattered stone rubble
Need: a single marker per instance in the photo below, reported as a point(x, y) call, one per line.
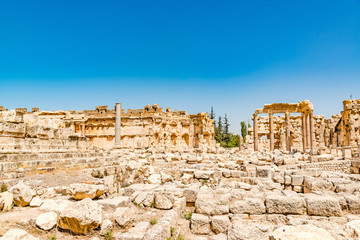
point(151, 194)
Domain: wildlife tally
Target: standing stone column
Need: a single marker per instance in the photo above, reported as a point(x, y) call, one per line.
point(287, 130)
point(312, 132)
point(240, 142)
point(255, 132)
point(303, 130)
point(308, 133)
point(83, 129)
point(271, 126)
point(117, 124)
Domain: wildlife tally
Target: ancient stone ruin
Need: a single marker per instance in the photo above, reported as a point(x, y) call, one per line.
point(151, 174)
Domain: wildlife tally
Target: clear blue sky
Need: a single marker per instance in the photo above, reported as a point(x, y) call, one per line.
point(187, 55)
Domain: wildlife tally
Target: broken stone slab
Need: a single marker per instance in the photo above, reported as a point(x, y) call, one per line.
point(81, 191)
point(16, 233)
point(124, 216)
point(303, 232)
point(46, 221)
point(203, 174)
point(164, 200)
point(6, 201)
point(135, 233)
point(80, 217)
point(121, 201)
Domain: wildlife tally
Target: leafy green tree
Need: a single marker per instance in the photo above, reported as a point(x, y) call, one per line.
point(244, 130)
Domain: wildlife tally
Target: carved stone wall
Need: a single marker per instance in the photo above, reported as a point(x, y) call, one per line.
point(140, 128)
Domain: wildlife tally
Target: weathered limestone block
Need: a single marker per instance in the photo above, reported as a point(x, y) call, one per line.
point(220, 236)
point(6, 201)
point(263, 172)
point(208, 203)
point(36, 202)
point(121, 201)
point(164, 200)
point(203, 174)
point(190, 194)
point(241, 231)
point(124, 216)
point(248, 206)
point(354, 228)
point(285, 204)
point(106, 226)
point(138, 232)
point(316, 184)
point(80, 217)
point(46, 221)
point(322, 205)
point(159, 231)
point(303, 232)
point(80, 191)
point(15, 234)
point(22, 194)
point(155, 179)
point(165, 177)
point(220, 224)
point(145, 199)
point(297, 180)
point(353, 202)
point(200, 224)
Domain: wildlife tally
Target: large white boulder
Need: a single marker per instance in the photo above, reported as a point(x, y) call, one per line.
point(80, 217)
point(46, 221)
point(22, 194)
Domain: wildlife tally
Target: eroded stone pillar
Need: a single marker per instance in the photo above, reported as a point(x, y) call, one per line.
point(312, 132)
point(256, 136)
point(240, 142)
point(83, 129)
point(117, 124)
point(271, 126)
point(303, 130)
point(287, 130)
point(308, 133)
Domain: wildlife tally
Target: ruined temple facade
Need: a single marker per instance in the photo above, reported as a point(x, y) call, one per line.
point(105, 128)
point(303, 131)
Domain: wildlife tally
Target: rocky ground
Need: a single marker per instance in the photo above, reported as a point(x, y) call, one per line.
point(154, 194)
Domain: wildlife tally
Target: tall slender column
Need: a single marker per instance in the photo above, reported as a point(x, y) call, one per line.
point(271, 127)
point(312, 132)
point(308, 133)
point(255, 131)
point(303, 130)
point(117, 124)
point(83, 129)
point(287, 129)
point(240, 142)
